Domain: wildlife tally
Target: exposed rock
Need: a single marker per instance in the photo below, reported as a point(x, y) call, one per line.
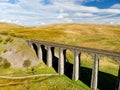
point(18, 53)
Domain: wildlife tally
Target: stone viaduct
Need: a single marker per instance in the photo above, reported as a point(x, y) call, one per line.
point(76, 50)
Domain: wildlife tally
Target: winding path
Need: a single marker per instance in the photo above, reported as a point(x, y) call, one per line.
point(30, 76)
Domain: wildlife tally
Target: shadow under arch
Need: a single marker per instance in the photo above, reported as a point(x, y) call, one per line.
point(85, 70)
point(55, 58)
point(111, 80)
point(68, 57)
point(35, 48)
point(44, 53)
point(106, 81)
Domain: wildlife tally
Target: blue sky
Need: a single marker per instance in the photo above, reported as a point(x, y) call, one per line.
point(102, 4)
point(43, 12)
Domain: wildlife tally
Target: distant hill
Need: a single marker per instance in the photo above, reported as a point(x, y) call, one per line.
point(87, 35)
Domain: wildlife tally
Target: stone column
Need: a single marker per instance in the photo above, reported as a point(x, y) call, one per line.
point(49, 56)
point(61, 62)
point(94, 79)
point(40, 53)
point(118, 81)
point(76, 65)
point(31, 45)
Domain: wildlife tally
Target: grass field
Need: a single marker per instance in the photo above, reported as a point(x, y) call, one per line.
point(44, 83)
point(88, 35)
point(38, 83)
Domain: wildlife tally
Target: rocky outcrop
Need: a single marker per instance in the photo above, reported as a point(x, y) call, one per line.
point(18, 53)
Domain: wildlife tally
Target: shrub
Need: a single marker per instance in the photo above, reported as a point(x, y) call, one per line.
point(1, 60)
point(6, 65)
point(1, 39)
point(8, 39)
point(26, 63)
point(5, 51)
point(4, 33)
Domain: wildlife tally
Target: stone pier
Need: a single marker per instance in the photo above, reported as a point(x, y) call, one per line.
point(40, 53)
point(76, 66)
point(61, 61)
point(49, 56)
point(94, 79)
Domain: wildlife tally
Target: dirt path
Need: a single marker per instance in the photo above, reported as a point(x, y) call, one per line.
point(23, 77)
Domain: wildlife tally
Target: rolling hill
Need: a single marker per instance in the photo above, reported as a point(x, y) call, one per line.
point(87, 35)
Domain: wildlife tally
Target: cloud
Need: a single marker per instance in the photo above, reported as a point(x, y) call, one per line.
point(40, 12)
point(86, 1)
point(9, 21)
point(3, 1)
point(115, 6)
point(42, 23)
point(62, 15)
point(83, 14)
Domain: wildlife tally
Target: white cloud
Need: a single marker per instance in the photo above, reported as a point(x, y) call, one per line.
point(62, 15)
point(32, 12)
point(68, 20)
point(4, 20)
point(115, 6)
point(83, 14)
point(3, 1)
point(42, 23)
point(9, 21)
point(80, 8)
point(111, 11)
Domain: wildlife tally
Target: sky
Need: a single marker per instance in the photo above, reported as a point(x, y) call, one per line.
point(44, 12)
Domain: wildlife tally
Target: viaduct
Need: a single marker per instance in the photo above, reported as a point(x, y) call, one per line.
point(76, 50)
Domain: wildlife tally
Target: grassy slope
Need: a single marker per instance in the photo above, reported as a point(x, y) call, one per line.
point(44, 83)
point(87, 35)
point(37, 83)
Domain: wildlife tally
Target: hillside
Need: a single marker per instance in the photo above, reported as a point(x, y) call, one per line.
point(87, 35)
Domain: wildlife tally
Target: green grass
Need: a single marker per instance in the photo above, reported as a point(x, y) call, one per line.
point(39, 69)
point(36, 83)
point(44, 83)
